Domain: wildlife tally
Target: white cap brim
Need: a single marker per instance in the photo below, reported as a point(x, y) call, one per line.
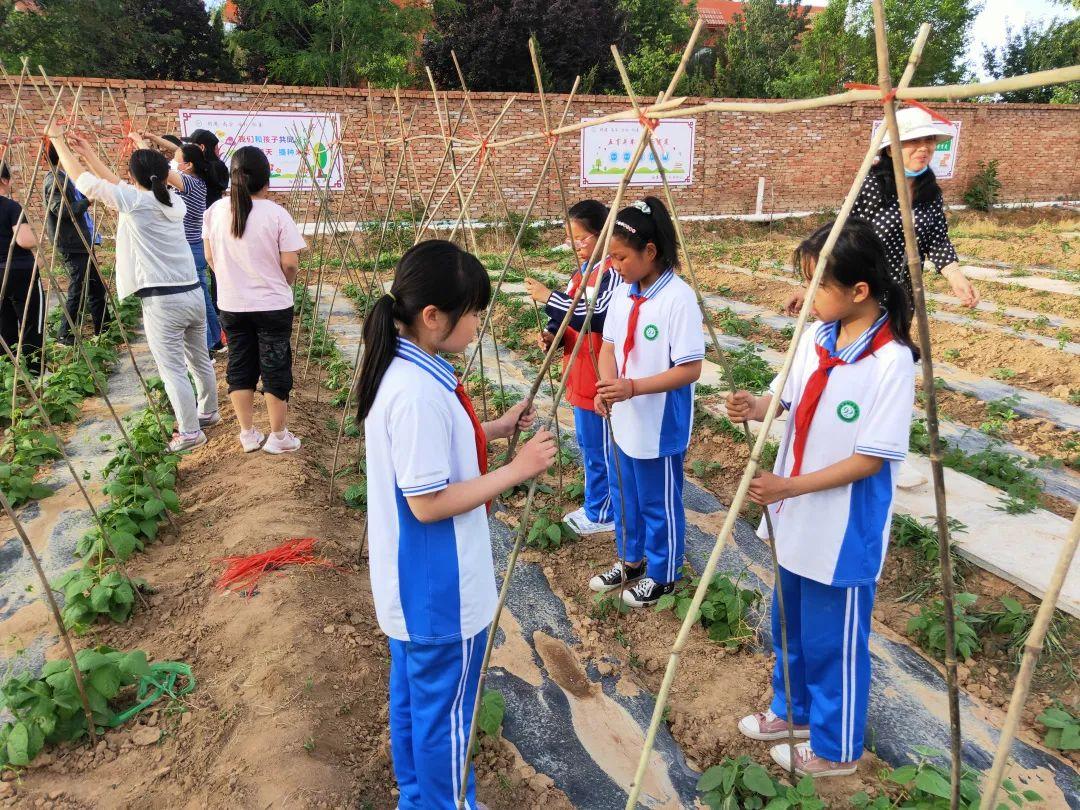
point(937, 132)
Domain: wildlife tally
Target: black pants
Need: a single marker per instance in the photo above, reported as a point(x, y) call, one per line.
point(82, 273)
point(21, 295)
point(259, 347)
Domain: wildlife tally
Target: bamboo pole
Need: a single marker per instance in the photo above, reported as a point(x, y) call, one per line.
point(751, 469)
point(1033, 646)
point(914, 261)
point(54, 609)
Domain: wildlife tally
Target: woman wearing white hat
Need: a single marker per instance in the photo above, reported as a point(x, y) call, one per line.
point(879, 205)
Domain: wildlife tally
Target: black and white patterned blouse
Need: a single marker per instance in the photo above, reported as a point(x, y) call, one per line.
point(882, 210)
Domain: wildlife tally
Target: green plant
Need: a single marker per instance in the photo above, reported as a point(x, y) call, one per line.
point(749, 370)
point(1063, 336)
point(723, 611)
point(1003, 373)
point(356, 495)
point(605, 605)
point(982, 192)
point(48, 709)
point(742, 784)
point(490, 718)
point(928, 627)
point(548, 533)
point(705, 469)
point(88, 596)
point(926, 786)
point(951, 354)
point(1062, 728)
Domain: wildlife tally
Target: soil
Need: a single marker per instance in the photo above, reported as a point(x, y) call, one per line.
point(290, 708)
point(1014, 295)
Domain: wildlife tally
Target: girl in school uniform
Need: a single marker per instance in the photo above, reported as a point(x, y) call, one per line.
point(850, 393)
point(586, 221)
point(432, 575)
point(651, 357)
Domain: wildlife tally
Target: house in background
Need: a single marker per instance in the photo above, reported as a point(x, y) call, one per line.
point(719, 14)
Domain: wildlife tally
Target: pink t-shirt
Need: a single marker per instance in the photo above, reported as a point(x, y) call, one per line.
point(248, 270)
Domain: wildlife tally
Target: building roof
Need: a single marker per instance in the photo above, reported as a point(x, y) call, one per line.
point(721, 13)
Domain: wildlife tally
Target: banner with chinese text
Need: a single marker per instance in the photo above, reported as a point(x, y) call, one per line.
point(606, 150)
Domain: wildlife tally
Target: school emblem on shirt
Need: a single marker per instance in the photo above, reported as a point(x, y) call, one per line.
point(651, 332)
point(848, 411)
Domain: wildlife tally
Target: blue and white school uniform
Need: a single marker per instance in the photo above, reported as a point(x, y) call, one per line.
point(433, 584)
point(652, 431)
point(831, 544)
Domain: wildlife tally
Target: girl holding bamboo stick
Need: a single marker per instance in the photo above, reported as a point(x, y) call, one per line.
point(432, 576)
point(586, 221)
point(850, 393)
point(651, 357)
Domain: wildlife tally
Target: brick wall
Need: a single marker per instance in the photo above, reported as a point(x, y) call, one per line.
point(807, 158)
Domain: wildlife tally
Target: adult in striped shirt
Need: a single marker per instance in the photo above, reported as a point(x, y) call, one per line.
point(188, 175)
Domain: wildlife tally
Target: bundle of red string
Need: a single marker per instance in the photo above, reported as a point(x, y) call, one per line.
point(244, 573)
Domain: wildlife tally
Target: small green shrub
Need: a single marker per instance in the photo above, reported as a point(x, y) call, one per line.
point(1062, 728)
point(982, 191)
point(742, 784)
point(723, 611)
point(490, 719)
point(928, 627)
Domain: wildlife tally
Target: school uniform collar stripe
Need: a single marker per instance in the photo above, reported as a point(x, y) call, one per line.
point(654, 290)
point(827, 334)
point(434, 365)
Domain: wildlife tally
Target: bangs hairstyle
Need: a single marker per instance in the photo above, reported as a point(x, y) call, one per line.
point(433, 273)
point(637, 229)
point(859, 256)
point(590, 214)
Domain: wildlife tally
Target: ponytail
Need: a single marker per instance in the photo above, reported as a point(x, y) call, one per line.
point(433, 273)
point(249, 174)
point(150, 170)
point(859, 256)
point(648, 221)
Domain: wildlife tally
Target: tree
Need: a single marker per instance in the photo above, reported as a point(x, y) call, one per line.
point(180, 42)
point(822, 62)
point(656, 33)
point(490, 39)
point(1035, 48)
point(758, 50)
point(333, 43)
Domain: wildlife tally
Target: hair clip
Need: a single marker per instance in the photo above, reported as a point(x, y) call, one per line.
point(641, 206)
point(626, 227)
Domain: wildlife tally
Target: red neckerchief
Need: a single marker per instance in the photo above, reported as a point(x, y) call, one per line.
point(631, 330)
point(596, 273)
point(815, 387)
point(478, 431)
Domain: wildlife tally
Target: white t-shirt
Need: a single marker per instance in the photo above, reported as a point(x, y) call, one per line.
point(248, 270)
point(839, 536)
point(668, 335)
point(433, 583)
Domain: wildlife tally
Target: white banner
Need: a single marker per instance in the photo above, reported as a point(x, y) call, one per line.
point(284, 137)
point(606, 150)
point(944, 160)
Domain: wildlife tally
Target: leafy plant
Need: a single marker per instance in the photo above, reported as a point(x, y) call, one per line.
point(490, 719)
point(926, 786)
point(1003, 373)
point(742, 784)
point(547, 533)
point(1062, 728)
point(88, 596)
point(749, 370)
point(928, 627)
point(982, 191)
point(48, 709)
point(356, 495)
point(723, 611)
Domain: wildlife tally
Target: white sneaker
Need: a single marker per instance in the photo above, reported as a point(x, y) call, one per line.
point(578, 520)
point(283, 442)
point(209, 419)
point(185, 442)
point(807, 763)
point(767, 726)
point(251, 440)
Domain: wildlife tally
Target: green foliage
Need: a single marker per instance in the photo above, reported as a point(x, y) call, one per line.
point(742, 784)
point(928, 627)
point(758, 51)
point(548, 533)
point(1062, 728)
point(330, 44)
point(89, 596)
point(749, 370)
point(490, 718)
point(48, 709)
point(982, 192)
point(723, 611)
point(926, 786)
point(1033, 48)
point(356, 495)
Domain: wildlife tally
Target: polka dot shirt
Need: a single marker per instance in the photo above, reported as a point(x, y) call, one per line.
point(882, 211)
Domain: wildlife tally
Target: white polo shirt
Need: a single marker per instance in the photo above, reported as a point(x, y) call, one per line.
point(839, 536)
point(668, 335)
point(433, 583)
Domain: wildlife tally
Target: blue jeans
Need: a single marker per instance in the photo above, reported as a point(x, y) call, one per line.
point(213, 327)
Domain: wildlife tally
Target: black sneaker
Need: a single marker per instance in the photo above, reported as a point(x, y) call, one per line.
point(646, 592)
point(613, 578)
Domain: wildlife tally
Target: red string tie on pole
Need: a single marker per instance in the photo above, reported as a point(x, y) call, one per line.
point(650, 123)
point(909, 101)
point(483, 149)
point(552, 139)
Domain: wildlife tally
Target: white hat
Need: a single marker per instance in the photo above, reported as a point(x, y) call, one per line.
point(915, 123)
